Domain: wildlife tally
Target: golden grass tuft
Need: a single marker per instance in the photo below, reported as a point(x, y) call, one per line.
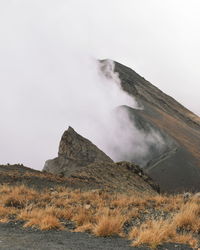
point(134, 233)
point(186, 239)
point(160, 199)
point(5, 189)
point(44, 219)
point(64, 213)
point(153, 233)
point(44, 223)
point(5, 212)
point(18, 196)
point(188, 217)
point(109, 225)
point(121, 201)
point(84, 216)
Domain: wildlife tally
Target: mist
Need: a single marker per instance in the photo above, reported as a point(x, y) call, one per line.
point(82, 93)
point(50, 77)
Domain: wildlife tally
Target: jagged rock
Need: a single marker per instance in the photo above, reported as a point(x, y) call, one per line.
point(80, 160)
point(75, 146)
point(75, 151)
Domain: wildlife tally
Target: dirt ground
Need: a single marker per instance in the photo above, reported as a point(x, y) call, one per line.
point(15, 237)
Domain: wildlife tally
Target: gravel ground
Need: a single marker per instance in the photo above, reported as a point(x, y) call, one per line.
point(14, 237)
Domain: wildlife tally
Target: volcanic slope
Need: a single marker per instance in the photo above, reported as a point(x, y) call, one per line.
point(178, 168)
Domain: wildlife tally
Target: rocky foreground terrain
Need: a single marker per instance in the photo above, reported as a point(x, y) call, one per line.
point(39, 210)
point(84, 200)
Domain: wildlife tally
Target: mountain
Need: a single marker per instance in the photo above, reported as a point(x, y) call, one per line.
point(177, 167)
point(173, 156)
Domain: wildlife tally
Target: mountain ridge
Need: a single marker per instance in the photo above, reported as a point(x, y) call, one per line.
point(176, 121)
point(127, 75)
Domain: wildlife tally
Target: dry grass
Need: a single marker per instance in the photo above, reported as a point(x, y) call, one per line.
point(44, 223)
point(160, 218)
point(83, 216)
point(186, 239)
point(153, 233)
point(44, 219)
point(18, 197)
point(188, 217)
point(108, 225)
point(4, 211)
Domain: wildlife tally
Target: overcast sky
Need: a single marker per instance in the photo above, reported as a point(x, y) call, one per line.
point(39, 38)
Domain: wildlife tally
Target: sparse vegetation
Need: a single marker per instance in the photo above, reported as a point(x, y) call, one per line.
point(149, 220)
point(109, 224)
point(153, 232)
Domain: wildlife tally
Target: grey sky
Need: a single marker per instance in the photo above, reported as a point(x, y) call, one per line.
point(45, 43)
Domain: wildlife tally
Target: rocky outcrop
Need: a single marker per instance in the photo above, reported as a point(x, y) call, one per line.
point(75, 151)
point(76, 147)
point(82, 162)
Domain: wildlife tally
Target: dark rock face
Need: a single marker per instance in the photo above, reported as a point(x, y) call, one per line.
point(177, 168)
point(74, 152)
point(76, 147)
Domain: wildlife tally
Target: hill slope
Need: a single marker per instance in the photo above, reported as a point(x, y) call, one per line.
point(178, 168)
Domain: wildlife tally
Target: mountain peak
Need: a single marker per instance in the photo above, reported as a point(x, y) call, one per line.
point(75, 146)
point(75, 151)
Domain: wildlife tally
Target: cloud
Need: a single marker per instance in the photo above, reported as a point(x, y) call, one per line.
point(120, 133)
point(79, 95)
